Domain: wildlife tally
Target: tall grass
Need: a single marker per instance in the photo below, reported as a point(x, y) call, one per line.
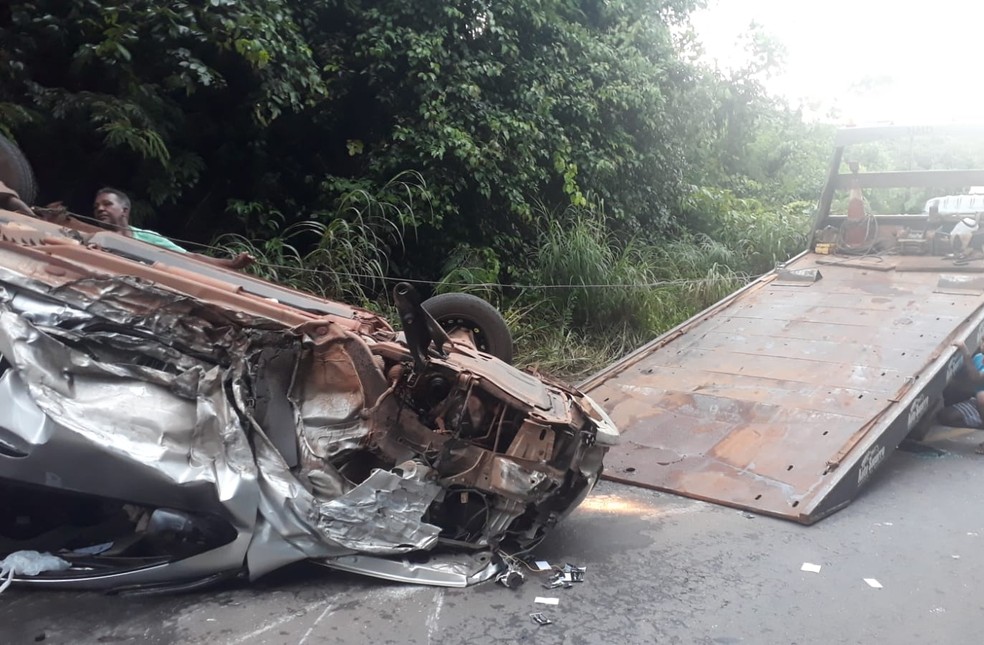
point(342, 254)
point(758, 235)
point(588, 277)
point(595, 297)
point(472, 270)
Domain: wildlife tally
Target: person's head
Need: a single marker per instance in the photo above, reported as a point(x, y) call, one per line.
point(112, 207)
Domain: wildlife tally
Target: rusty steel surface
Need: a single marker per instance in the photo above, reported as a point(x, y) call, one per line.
point(777, 398)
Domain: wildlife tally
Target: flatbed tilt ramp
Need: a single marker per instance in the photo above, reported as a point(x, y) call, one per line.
point(785, 397)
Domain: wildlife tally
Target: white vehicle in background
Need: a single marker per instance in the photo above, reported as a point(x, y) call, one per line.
point(971, 203)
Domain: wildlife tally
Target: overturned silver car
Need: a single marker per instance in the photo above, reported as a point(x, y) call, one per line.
point(165, 423)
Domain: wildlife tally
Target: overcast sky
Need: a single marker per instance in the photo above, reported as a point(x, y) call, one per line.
point(921, 61)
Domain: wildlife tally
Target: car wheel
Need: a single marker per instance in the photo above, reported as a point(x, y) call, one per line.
point(16, 172)
point(463, 311)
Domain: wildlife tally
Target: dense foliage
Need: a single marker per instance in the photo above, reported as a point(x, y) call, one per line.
point(464, 142)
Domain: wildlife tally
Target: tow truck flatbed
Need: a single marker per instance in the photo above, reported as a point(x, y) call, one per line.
point(785, 397)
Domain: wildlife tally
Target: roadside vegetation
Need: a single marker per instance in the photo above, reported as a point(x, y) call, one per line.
point(578, 164)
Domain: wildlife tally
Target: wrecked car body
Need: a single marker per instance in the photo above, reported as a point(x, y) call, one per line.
point(166, 424)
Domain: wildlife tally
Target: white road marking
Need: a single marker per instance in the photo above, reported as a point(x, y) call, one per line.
point(318, 620)
point(435, 615)
point(277, 623)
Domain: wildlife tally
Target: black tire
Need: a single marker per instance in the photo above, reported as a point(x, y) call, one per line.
point(16, 172)
point(463, 310)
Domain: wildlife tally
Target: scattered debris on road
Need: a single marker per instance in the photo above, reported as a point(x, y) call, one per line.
point(511, 578)
point(565, 576)
point(540, 619)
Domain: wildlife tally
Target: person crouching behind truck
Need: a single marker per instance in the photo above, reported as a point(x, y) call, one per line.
point(968, 412)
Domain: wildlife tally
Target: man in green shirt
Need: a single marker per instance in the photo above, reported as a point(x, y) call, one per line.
point(112, 207)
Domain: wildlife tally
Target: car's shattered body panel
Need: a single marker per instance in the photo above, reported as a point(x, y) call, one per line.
point(208, 428)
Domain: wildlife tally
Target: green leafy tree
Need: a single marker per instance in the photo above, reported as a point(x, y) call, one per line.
point(195, 106)
point(174, 101)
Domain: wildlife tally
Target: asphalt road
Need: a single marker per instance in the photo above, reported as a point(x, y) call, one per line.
point(660, 569)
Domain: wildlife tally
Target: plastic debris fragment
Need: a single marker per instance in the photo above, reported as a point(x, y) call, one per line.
point(540, 619)
point(28, 563)
point(565, 576)
point(573, 573)
point(556, 581)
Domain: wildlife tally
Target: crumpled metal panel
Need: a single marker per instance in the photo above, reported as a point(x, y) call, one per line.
point(329, 396)
point(382, 511)
point(180, 425)
point(439, 569)
point(86, 395)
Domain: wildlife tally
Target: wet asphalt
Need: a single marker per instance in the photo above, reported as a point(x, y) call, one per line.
point(660, 569)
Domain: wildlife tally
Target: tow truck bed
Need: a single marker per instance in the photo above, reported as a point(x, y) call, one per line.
point(786, 396)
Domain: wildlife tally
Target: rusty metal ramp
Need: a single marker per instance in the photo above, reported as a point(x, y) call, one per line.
point(785, 397)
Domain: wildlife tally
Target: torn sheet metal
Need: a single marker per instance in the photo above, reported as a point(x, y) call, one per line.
point(436, 569)
point(382, 514)
point(205, 432)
